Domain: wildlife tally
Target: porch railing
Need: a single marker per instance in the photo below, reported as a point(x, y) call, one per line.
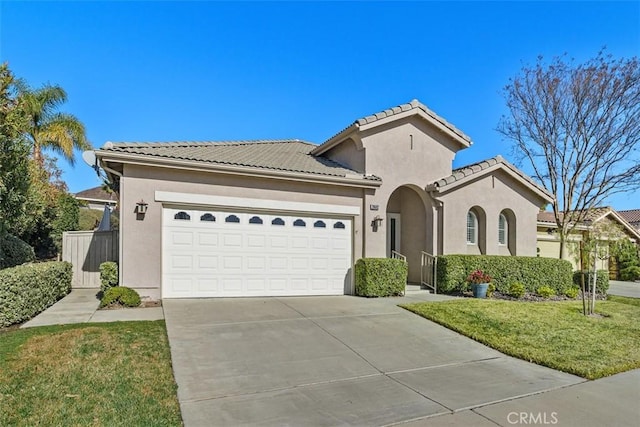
point(398, 255)
point(428, 268)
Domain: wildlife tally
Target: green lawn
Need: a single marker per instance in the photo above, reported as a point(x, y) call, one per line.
point(98, 374)
point(554, 334)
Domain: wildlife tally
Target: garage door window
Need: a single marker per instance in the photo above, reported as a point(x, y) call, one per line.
point(182, 215)
point(299, 223)
point(208, 217)
point(255, 220)
point(319, 224)
point(277, 221)
point(232, 218)
point(338, 225)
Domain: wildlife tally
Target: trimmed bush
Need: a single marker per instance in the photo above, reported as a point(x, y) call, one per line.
point(602, 280)
point(490, 290)
point(120, 295)
point(572, 292)
point(532, 272)
point(517, 290)
point(380, 277)
point(630, 273)
point(14, 251)
point(28, 289)
point(545, 291)
point(108, 275)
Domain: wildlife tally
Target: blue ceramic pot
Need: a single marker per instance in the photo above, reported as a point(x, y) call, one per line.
point(479, 290)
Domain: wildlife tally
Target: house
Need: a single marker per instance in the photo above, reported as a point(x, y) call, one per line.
point(612, 224)
point(632, 216)
point(287, 217)
point(97, 198)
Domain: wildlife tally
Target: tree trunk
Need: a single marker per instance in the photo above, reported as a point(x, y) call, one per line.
point(562, 243)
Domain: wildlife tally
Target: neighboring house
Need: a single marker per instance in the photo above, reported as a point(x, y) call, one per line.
point(287, 217)
point(632, 217)
point(97, 198)
point(605, 218)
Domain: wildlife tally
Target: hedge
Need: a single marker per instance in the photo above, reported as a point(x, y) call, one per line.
point(120, 295)
point(14, 251)
point(28, 289)
point(380, 277)
point(602, 280)
point(532, 272)
point(108, 275)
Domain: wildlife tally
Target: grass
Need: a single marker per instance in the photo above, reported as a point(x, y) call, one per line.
point(98, 374)
point(553, 334)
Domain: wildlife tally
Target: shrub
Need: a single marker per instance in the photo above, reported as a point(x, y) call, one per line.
point(630, 273)
point(453, 271)
point(14, 251)
point(572, 292)
point(546, 291)
point(602, 280)
point(516, 290)
point(120, 295)
point(108, 275)
point(490, 290)
point(380, 277)
point(28, 289)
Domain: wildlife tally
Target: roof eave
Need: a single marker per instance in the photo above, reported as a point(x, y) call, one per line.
point(334, 140)
point(146, 160)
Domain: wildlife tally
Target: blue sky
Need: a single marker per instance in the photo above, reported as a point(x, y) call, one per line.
point(165, 71)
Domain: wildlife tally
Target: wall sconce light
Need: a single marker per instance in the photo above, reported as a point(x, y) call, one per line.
point(141, 207)
point(377, 222)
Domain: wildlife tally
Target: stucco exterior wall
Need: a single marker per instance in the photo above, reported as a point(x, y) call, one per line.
point(492, 193)
point(141, 239)
point(349, 155)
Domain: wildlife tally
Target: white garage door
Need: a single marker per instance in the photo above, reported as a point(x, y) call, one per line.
point(212, 253)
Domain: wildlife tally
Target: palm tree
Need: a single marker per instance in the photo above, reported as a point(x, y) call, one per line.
point(49, 128)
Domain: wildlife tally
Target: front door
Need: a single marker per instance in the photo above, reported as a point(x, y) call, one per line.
point(393, 233)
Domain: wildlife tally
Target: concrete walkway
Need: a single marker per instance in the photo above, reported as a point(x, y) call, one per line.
point(624, 289)
point(81, 306)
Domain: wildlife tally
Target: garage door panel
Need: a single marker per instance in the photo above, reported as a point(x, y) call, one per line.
point(216, 253)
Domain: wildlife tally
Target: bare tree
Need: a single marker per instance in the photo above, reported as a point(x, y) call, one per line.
point(578, 125)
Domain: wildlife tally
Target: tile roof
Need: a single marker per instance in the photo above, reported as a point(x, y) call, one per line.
point(413, 105)
point(472, 169)
point(282, 155)
point(96, 193)
point(632, 216)
point(595, 214)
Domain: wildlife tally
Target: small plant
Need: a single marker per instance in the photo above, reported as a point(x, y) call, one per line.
point(490, 290)
point(572, 292)
point(477, 277)
point(120, 295)
point(545, 291)
point(108, 275)
point(516, 290)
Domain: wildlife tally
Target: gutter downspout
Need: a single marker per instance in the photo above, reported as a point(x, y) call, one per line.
point(120, 240)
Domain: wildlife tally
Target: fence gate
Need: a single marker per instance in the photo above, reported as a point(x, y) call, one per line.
point(86, 250)
point(428, 271)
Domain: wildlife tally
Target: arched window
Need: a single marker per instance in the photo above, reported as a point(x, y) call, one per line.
point(472, 228)
point(503, 230)
point(182, 215)
point(299, 223)
point(208, 217)
point(277, 221)
point(319, 224)
point(255, 220)
point(338, 225)
point(232, 218)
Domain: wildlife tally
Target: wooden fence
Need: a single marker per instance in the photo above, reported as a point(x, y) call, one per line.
point(86, 250)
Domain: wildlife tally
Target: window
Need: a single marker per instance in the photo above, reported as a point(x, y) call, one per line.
point(277, 221)
point(182, 215)
point(232, 218)
point(472, 228)
point(299, 223)
point(208, 217)
point(338, 225)
point(255, 220)
point(319, 224)
point(503, 229)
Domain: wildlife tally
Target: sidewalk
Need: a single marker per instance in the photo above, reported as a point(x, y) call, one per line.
point(81, 306)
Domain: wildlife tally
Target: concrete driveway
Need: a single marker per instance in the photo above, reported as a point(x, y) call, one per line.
point(333, 361)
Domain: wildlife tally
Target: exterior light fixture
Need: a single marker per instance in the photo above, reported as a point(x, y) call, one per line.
point(377, 222)
point(141, 207)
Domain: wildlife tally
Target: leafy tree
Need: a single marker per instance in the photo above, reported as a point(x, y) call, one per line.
point(578, 125)
point(67, 217)
point(14, 150)
point(628, 260)
point(48, 128)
